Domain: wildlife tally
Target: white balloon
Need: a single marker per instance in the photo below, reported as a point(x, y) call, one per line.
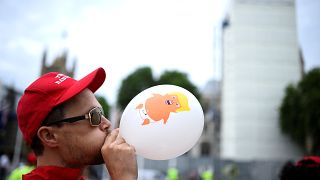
point(162, 122)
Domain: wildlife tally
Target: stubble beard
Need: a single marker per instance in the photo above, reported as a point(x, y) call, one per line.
point(98, 158)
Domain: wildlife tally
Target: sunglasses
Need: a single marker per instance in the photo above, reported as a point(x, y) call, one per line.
point(94, 116)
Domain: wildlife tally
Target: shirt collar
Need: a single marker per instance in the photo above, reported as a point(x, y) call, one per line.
point(55, 172)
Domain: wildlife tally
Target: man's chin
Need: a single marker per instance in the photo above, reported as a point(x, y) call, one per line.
point(98, 160)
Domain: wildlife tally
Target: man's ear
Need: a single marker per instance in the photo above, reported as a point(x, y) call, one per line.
point(47, 136)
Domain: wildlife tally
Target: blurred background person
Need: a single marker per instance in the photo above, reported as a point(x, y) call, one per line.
point(4, 165)
point(306, 168)
point(24, 168)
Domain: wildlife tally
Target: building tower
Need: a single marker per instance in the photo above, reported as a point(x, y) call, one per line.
point(260, 58)
point(59, 65)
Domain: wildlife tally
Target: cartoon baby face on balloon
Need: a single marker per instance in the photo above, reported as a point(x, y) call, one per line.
point(158, 107)
point(163, 114)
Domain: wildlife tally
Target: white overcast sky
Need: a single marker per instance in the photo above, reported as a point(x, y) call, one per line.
point(121, 35)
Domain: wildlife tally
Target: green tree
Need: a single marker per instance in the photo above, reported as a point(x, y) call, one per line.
point(300, 112)
point(142, 79)
point(179, 79)
point(105, 105)
point(136, 82)
point(290, 110)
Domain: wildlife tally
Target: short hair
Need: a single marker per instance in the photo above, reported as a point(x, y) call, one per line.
point(55, 114)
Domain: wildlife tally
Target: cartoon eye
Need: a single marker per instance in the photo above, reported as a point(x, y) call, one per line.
point(174, 97)
point(177, 104)
point(168, 102)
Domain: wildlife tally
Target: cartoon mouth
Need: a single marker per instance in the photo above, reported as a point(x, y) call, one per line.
point(168, 102)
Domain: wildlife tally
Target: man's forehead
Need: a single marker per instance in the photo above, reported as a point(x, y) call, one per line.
point(84, 98)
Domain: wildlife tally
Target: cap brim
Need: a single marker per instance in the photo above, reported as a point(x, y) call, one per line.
point(92, 81)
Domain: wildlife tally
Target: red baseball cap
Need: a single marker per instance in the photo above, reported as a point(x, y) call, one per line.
point(309, 161)
point(47, 92)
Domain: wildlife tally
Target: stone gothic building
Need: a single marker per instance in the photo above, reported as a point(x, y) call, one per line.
point(59, 65)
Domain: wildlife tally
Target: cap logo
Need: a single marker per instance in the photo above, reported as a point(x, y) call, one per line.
point(60, 78)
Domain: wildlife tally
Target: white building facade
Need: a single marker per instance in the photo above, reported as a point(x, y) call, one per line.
point(260, 58)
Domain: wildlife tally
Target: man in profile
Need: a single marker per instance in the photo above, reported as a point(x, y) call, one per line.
point(64, 124)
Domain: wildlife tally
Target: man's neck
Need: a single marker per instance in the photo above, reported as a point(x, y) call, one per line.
point(53, 159)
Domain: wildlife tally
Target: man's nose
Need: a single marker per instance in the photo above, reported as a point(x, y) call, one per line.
point(105, 124)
